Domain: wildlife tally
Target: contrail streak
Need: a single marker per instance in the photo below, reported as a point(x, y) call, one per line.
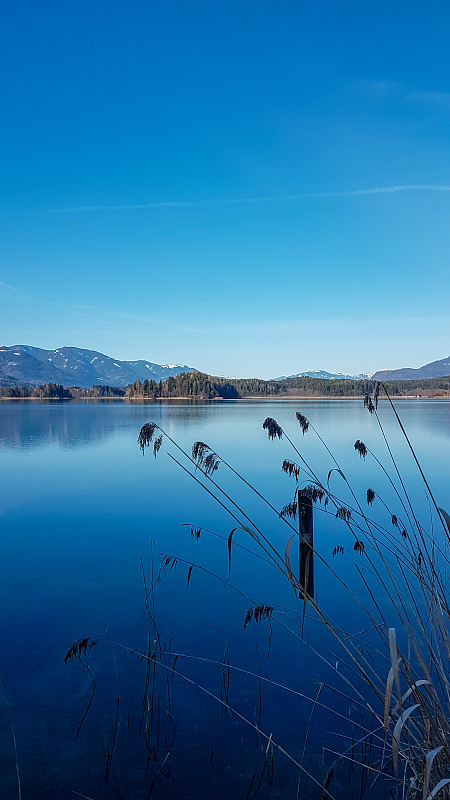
point(411, 187)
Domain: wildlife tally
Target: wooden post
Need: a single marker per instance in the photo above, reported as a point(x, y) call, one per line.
point(306, 542)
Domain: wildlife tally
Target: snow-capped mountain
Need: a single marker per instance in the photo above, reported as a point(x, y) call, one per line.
point(330, 376)
point(73, 366)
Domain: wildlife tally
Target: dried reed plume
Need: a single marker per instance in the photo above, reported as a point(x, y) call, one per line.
point(81, 647)
point(273, 429)
point(369, 404)
point(314, 493)
point(146, 435)
point(290, 468)
point(156, 445)
point(258, 613)
point(289, 510)
point(205, 457)
point(343, 513)
point(303, 422)
point(370, 496)
point(360, 448)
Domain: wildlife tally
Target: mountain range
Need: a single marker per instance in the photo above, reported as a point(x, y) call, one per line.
point(329, 376)
point(436, 369)
point(72, 366)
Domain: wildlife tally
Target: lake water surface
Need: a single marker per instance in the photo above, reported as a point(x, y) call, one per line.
point(85, 523)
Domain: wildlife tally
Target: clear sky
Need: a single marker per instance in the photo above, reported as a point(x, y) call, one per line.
point(249, 187)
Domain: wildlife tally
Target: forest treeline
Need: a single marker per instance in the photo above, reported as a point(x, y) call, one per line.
point(54, 391)
point(206, 387)
point(197, 384)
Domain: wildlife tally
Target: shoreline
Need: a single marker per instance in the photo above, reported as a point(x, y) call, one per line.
point(268, 398)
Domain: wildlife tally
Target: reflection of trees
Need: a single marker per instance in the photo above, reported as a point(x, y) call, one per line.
point(27, 425)
point(31, 425)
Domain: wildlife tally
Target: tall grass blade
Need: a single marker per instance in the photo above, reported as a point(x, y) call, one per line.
point(407, 694)
point(398, 732)
point(438, 788)
point(230, 538)
point(340, 473)
point(428, 764)
point(329, 777)
point(446, 517)
point(189, 575)
point(287, 559)
point(387, 697)
point(394, 659)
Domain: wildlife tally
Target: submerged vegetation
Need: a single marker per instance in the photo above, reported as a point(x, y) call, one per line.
point(388, 683)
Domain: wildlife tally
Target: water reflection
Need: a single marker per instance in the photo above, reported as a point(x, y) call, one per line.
point(28, 424)
point(81, 507)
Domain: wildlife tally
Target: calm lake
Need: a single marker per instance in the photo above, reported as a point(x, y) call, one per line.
point(87, 522)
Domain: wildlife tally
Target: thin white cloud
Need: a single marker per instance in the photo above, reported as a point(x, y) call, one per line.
point(260, 327)
point(95, 311)
point(410, 187)
point(429, 97)
point(390, 90)
point(17, 295)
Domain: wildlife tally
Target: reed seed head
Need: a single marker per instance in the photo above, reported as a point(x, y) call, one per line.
point(273, 429)
point(205, 458)
point(211, 463)
point(360, 448)
point(248, 617)
point(343, 513)
point(303, 422)
point(314, 493)
point(258, 613)
point(368, 403)
point(370, 496)
point(289, 510)
point(156, 445)
point(291, 468)
point(198, 450)
point(146, 435)
point(81, 647)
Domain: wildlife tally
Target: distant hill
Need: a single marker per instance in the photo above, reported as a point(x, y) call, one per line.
point(436, 369)
point(72, 366)
point(329, 376)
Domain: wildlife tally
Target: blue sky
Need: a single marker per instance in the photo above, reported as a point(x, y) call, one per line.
point(194, 182)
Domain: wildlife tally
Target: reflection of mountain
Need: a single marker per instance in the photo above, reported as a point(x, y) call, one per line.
point(73, 366)
point(28, 425)
point(31, 425)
